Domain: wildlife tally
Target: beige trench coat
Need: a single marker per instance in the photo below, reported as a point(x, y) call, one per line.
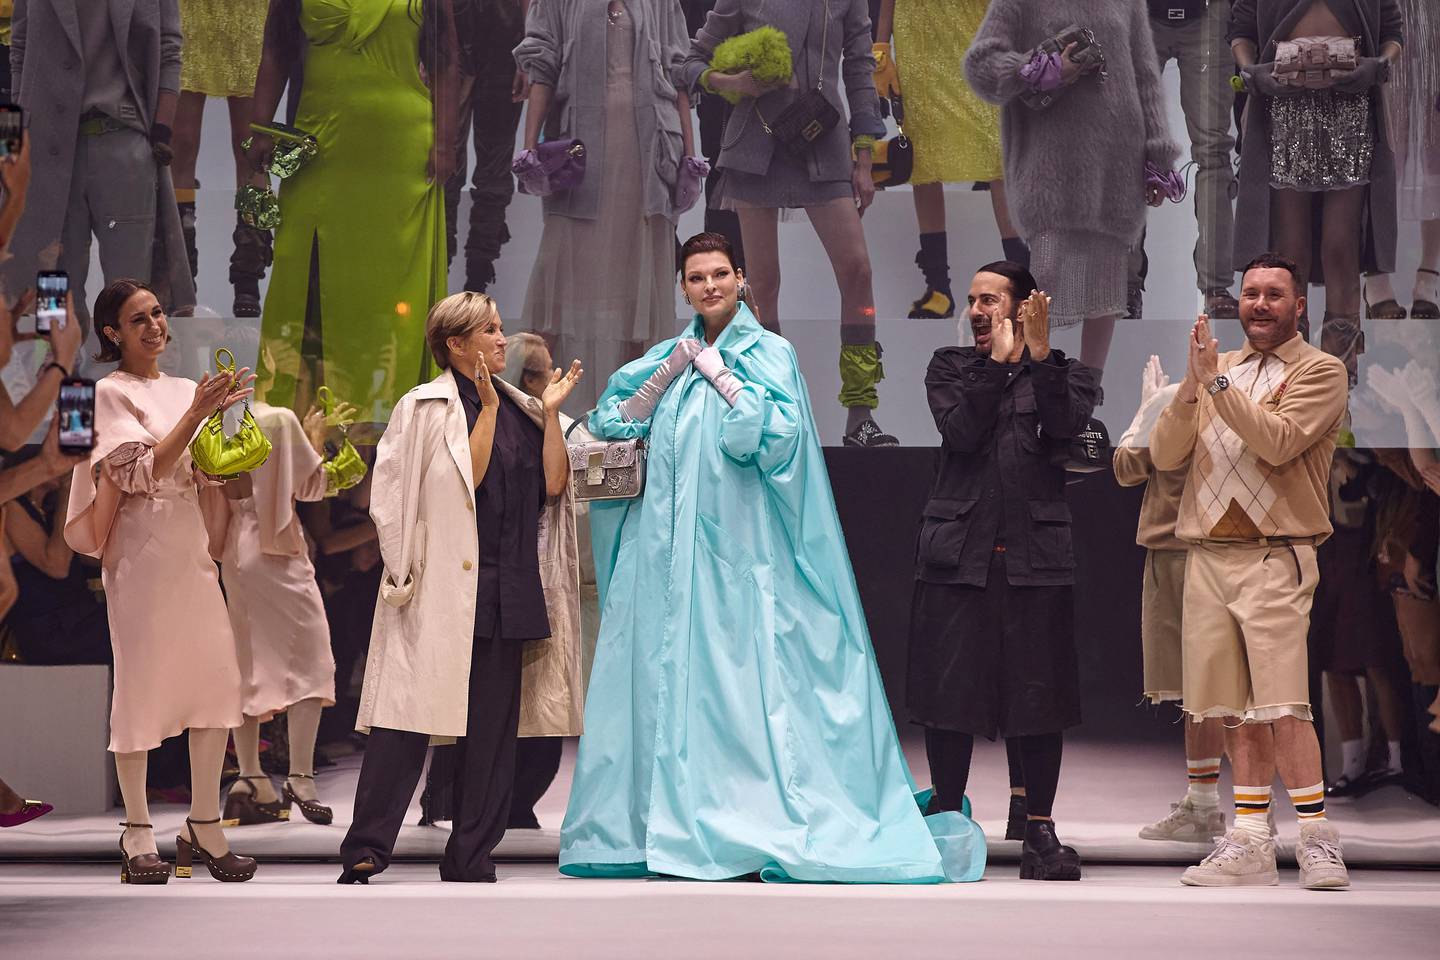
point(423, 503)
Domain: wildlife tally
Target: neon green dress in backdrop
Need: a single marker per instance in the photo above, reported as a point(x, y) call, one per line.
point(365, 208)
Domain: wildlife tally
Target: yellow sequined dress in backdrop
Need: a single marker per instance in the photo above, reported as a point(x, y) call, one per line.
point(956, 134)
point(222, 46)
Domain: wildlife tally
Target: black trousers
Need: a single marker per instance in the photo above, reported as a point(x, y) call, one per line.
point(484, 774)
point(492, 118)
point(1037, 757)
point(537, 760)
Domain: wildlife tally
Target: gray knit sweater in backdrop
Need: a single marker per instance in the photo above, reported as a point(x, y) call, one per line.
point(1080, 164)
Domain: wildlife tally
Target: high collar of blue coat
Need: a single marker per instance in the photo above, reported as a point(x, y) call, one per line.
point(739, 334)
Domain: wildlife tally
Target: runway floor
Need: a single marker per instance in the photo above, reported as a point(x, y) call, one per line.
point(60, 896)
point(67, 911)
point(1107, 792)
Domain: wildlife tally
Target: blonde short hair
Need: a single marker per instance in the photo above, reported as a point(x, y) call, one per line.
point(458, 315)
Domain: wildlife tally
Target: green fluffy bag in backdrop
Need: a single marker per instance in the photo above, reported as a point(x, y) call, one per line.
point(764, 52)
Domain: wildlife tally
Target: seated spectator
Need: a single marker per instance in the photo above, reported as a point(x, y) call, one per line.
point(1353, 633)
point(14, 810)
point(56, 618)
point(19, 420)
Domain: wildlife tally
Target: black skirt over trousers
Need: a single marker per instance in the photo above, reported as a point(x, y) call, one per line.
point(997, 659)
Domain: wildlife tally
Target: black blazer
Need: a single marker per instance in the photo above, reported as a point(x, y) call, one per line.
point(1001, 428)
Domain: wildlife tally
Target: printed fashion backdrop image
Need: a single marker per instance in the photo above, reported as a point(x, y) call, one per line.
point(678, 438)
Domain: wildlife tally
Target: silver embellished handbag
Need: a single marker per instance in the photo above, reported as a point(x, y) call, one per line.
point(605, 469)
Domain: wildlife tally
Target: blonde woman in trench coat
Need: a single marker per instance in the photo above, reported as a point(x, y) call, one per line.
point(462, 644)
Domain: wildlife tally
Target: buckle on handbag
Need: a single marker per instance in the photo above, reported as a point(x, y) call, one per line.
point(594, 469)
point(812, 130)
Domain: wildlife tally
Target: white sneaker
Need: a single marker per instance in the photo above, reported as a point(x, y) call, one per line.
point(1319, 856)
point(1187, 823)
point(1238, 860)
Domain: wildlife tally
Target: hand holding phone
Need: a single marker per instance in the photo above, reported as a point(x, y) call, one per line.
point(76, 410)
point(51, 289)
point(12, 129)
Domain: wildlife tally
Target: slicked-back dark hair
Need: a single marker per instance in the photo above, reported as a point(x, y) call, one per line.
point(1022, 282)
point(1277, 261)
point(107, 314)
point(706, 243)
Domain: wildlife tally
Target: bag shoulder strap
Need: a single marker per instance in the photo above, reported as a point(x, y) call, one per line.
point(578, 420)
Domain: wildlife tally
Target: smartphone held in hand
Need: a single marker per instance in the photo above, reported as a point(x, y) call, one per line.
point(51, 289)
point(76, 409)
point(12, 129)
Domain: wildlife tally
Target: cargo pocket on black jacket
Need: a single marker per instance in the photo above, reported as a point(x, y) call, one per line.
point(1050, 547)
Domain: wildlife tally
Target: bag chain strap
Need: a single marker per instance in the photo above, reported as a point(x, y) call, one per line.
point(819, 79)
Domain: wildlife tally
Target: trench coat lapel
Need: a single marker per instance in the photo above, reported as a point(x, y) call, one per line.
point(69, 18)
point(456, 439)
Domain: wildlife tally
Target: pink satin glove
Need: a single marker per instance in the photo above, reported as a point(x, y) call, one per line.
point(642, 403)
point(712, 367)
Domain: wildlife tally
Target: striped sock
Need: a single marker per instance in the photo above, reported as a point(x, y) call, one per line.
point(1309, 803)
point(1251, 806)
point(1204, 788)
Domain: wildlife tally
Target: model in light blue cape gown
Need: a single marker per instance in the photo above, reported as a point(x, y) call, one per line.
point(736, 722)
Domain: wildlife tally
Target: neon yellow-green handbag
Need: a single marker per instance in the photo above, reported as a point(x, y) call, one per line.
point(345, 467)
point(226, 457)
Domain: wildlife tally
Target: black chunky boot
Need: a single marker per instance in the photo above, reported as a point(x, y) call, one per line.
point(1015, 822)
point(187, 228)
point(1044, 857)
point(934, 262)
point(254, 251)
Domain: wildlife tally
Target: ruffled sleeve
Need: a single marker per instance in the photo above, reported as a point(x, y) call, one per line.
point(124, 450)
point(131, 467)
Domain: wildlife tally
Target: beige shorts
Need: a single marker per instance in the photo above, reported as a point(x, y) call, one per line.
point(1161, 606)
point(1246, 620)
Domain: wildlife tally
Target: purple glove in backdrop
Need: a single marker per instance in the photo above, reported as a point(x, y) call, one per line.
point(1168, 182)
point(689, 183)
point(530, 173)
point(712, 366)
point(1042, 72)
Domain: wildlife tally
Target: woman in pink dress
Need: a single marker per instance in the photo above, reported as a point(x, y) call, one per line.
point(135, 506)
point(276, 611)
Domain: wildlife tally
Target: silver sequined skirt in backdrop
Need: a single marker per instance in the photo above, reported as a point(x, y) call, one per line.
point(1320, 140)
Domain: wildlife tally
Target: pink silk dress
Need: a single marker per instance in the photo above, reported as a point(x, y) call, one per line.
point(175, 663)
point(276, 610)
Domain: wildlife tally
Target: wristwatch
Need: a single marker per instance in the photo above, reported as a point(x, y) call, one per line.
point(1221, 382)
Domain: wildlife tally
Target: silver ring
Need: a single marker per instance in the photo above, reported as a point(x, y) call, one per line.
point(1202, 347)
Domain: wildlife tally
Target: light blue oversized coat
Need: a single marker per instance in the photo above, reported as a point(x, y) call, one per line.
point(736, 721)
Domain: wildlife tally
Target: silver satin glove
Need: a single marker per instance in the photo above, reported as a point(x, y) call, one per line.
point(641, 404)
point(712, 366)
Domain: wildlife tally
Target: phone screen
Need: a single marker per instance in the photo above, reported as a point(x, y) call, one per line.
point(77, 415)
point(12, 128)
point(51, 286)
